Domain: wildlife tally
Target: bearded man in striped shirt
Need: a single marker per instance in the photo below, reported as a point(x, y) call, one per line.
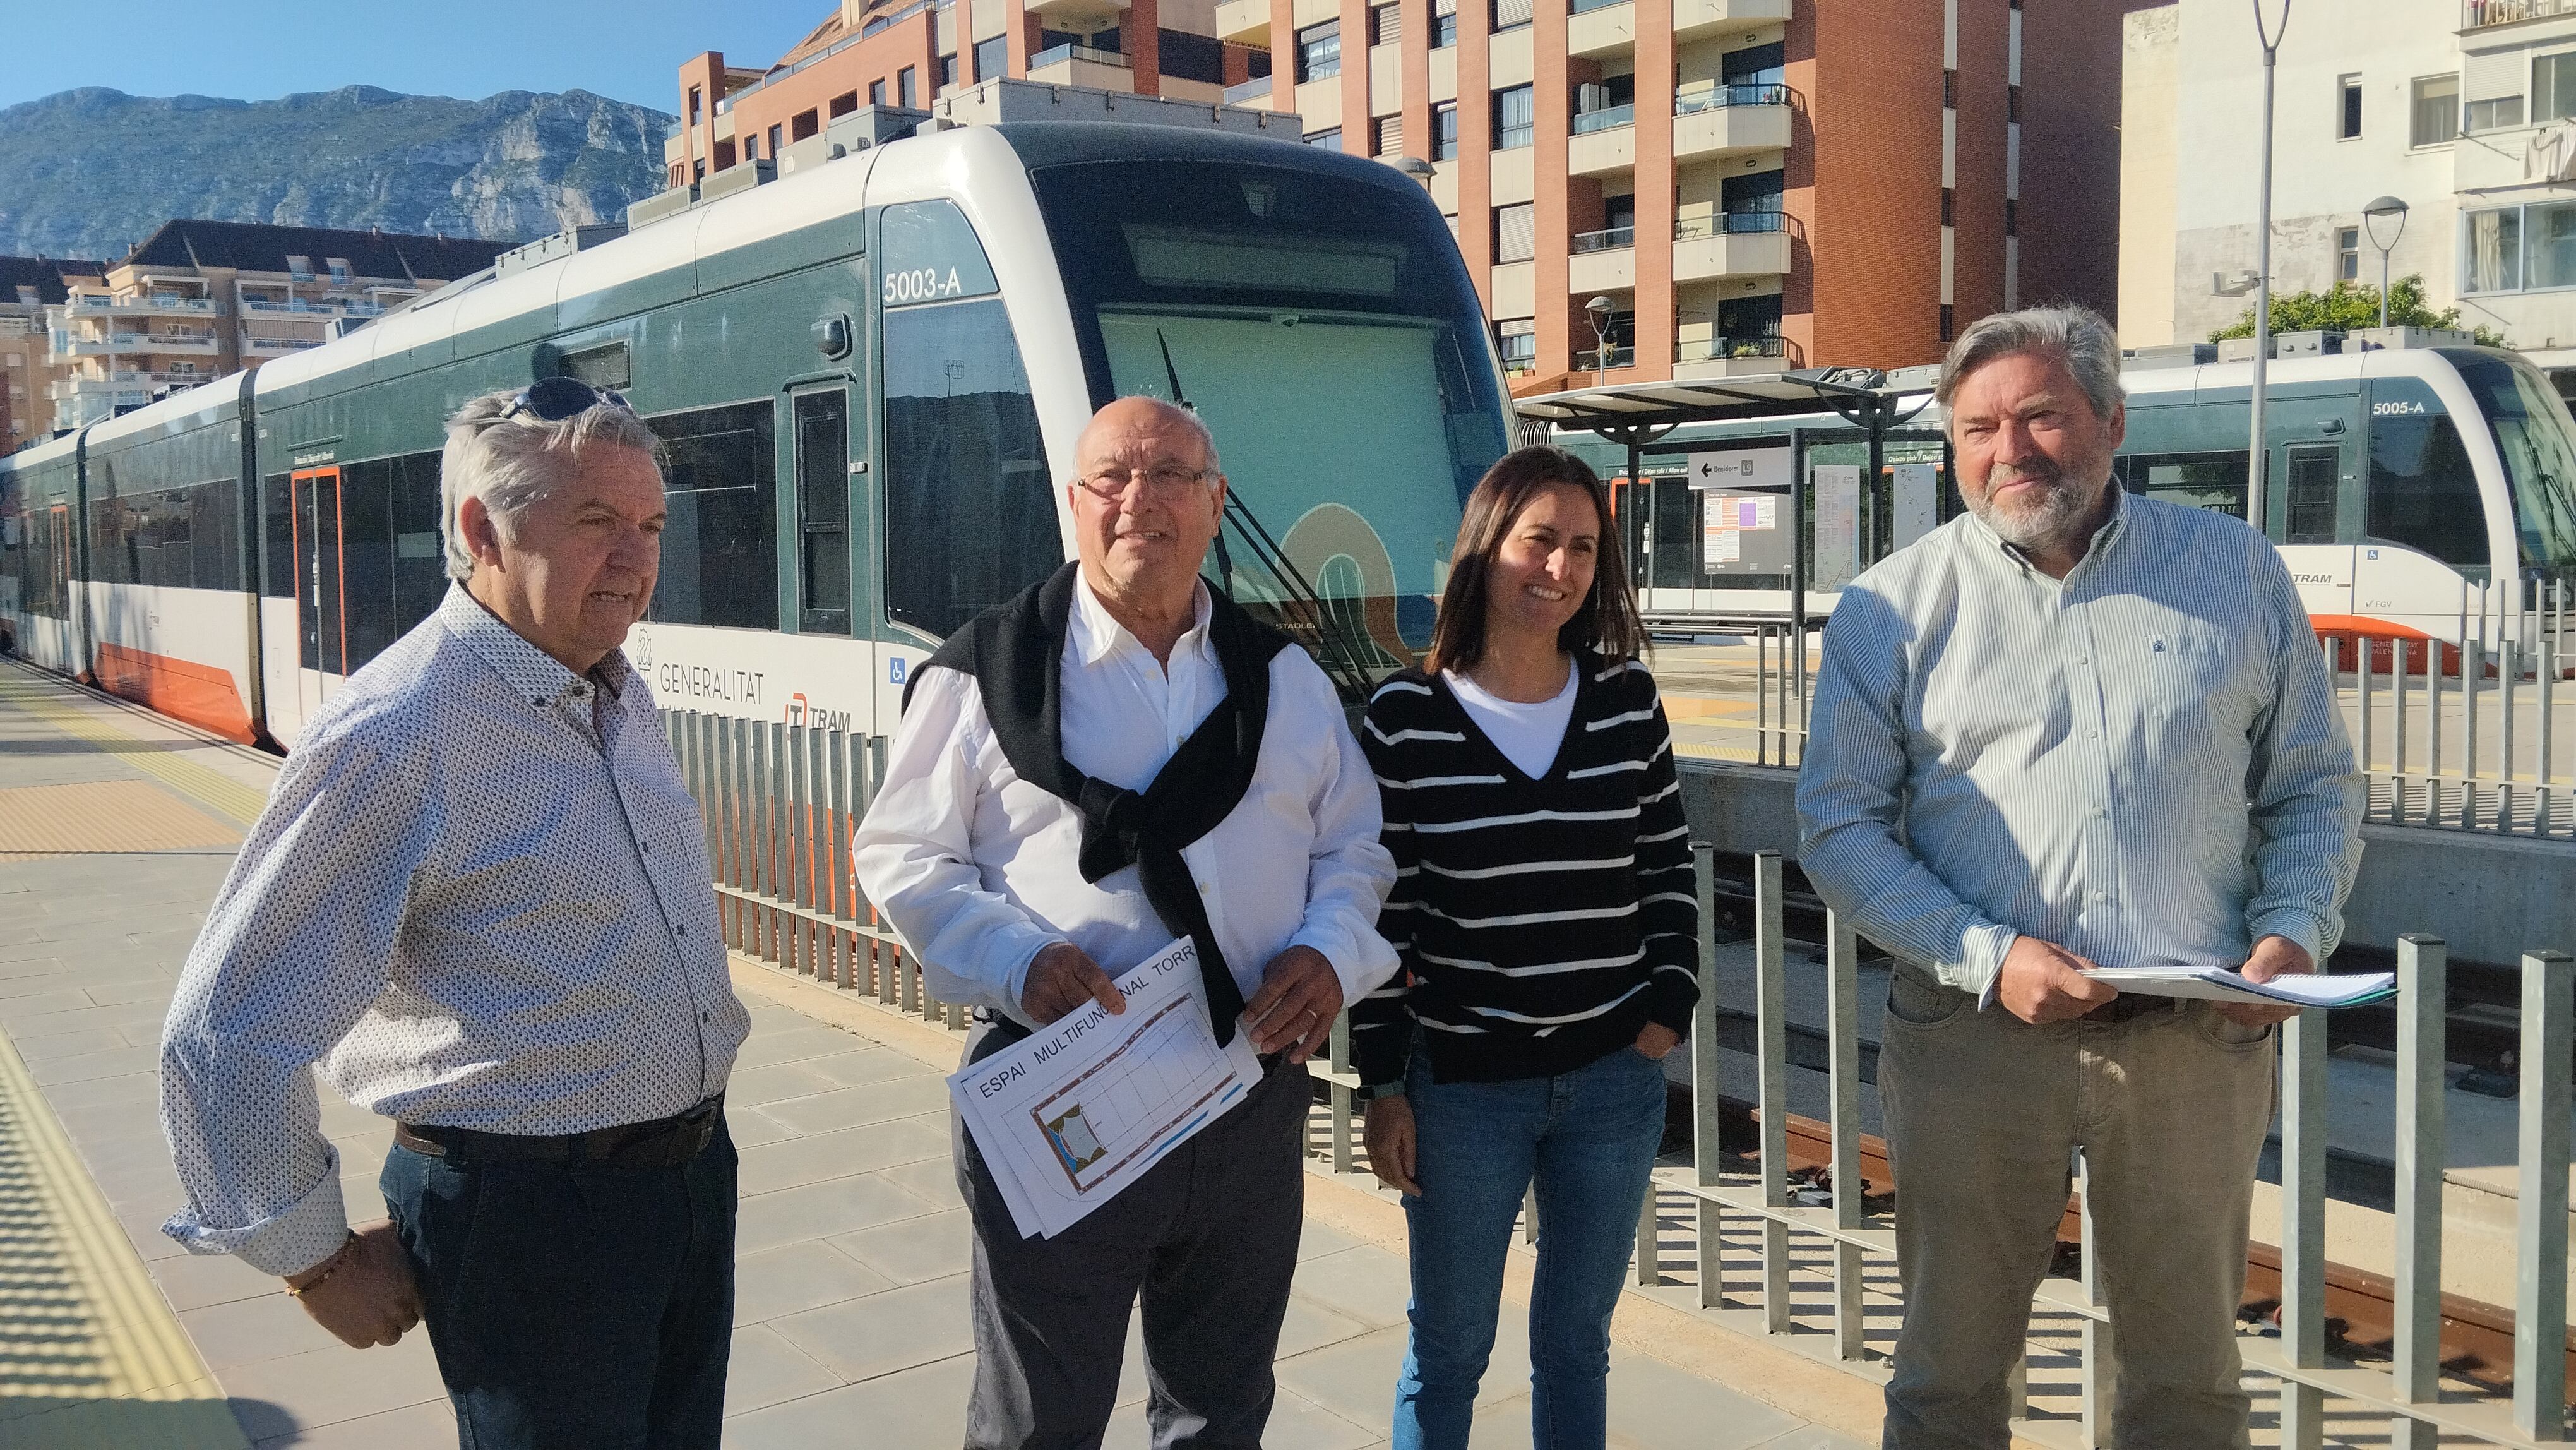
point(2071, 728)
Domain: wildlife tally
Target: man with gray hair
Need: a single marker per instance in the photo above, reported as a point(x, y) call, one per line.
point(479, 898)
point(2073, 728)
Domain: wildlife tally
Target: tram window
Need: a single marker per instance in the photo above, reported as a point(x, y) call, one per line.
point(366, 573)
point(277, 527)
point(2203, 481)
point(720, 549)
point(2314, 478)
point(187, 537)
point(970, 514)
point(2423, 491)
point(823, 509)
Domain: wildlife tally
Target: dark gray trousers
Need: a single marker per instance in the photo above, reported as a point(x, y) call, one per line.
point(1208, 1237)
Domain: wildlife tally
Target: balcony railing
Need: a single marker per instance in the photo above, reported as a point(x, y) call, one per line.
point(1579, 7)
point(1251, 90)
point(1609, 239)
point(1715, 349)
point(281, 344)
point(2478, 14)
point(1716, 98)
point(1608, 118)
point(127, 304)
point(1607, 357)
point(1729, 223)
point(1057, 54)
point(871, 26)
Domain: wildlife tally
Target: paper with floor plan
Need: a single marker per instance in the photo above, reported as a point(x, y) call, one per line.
point(2218, 984)
point(1070, 1115)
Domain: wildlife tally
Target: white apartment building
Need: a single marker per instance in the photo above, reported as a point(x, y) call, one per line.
point(2463, 109)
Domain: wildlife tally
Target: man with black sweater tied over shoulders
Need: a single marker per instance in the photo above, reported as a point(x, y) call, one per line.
point(1116, 757)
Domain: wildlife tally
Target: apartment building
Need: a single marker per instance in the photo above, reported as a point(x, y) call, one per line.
point(908, 54)
point(2465, 110)
point(200, 299)
point(1650, 189)
point(28, 285)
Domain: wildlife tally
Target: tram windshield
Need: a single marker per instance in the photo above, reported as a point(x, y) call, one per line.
point(1325, 329)
point(2534, 436)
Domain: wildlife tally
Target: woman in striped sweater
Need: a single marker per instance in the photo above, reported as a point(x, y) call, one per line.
point(1544, 910)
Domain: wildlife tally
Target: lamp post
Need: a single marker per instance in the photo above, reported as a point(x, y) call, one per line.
point(2386, 206)
point(1598, 310)
point(2257, 496)
point(1417, 168)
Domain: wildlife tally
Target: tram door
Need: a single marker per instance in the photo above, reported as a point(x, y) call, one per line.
point(321, 623)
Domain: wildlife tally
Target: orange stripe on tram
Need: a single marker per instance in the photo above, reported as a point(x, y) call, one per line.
point(203, 695)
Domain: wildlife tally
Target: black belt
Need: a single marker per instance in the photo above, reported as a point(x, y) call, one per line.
point(660, 1143)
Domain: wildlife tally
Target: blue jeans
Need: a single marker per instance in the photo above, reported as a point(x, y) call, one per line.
point(574, 1308)
point(1588, 1138)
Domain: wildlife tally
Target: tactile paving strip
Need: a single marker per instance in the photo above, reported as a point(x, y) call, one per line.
point(103, 818)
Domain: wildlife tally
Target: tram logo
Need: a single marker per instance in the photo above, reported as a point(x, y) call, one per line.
point(800, 711)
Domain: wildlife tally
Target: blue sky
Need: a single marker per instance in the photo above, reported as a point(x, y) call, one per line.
point(258, 50)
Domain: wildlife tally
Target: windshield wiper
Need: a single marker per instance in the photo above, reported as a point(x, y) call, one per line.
point(1301, 609)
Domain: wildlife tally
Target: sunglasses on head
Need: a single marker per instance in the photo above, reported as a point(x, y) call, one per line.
point(555, 399)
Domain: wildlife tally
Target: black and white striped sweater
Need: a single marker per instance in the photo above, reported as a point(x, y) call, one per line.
point(1542, 922)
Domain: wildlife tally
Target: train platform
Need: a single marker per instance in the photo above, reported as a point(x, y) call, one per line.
point(116, 828)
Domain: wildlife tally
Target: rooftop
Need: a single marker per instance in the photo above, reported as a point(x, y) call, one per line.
point(258, 247)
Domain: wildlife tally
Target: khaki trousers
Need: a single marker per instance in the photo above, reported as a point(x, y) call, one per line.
point(1983, 1112)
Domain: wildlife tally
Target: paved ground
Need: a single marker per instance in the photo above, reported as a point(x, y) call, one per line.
point(851, 1327)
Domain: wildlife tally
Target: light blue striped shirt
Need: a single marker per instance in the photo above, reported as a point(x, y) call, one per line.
point(2144, 763)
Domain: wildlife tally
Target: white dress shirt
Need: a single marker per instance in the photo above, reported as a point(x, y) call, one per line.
point(977, 867)
point(479, 896)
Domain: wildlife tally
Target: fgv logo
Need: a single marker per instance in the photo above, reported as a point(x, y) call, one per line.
point(639, 650)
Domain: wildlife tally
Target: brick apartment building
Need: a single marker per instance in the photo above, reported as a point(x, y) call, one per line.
point(198, 300)
point(29, 285)
point(894, 53)
point(1750, 185)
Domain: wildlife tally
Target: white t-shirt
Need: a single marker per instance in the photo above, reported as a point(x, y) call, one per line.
point(1526, 733)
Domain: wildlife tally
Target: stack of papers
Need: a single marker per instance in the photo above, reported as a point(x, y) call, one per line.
point(1070, 1115)
point(2218, 984)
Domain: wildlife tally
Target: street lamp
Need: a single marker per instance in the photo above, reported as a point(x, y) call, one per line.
point(2257, 510)
point(1598, 310)
point(2386, 206)
point(1417, 168)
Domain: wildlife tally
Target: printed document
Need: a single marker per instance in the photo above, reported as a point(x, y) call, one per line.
point(2218, 984)
point(1075, 1112)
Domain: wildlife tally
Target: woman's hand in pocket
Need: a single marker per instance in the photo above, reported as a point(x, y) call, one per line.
point(1390, 1140)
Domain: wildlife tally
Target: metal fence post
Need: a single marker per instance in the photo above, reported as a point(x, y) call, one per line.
point(1771, 1029)
point(2540, 1233)
point(1338, 1058)
point(799, 956)
point(2415, 1353)
point(1842, 1042)
point(2303, 1224)
point(2362, 687)
point(1706, 1151)
point(2095, 1370)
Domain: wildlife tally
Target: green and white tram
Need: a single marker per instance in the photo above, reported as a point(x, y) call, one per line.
point(870, 375)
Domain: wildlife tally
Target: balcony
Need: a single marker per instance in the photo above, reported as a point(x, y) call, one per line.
point(1730, 244)
point(1693, 19)
point(1602, 261)
point(1716, 120)
point(277, 346)
point(1086, 10)
point(1597, 359)
point(2482, 14)
point(1729, 357)
point(1244, 22)
point(145, 306)
point(1608, 239)
point(1604, 142)
point(196, 343)
point(1080, 65)
point(1587, 122)
point(1255, 89)
point(1601, 27)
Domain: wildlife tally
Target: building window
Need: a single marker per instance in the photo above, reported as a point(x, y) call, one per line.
point(1386, 24)
point(1520, 351)
point(775, 141)
point(2553, 87)
point(2347, 254)
point(2521, 249)
point(2012, 217)
point(1185, 56)
point(1510, 15)
point(2436, 104)
point(907, 87)
point(1949, 207)
point(803, 124)
point(1515, 118)
point(1444, 131)
point(1950, 90)
point(947, 73)
point(2503, 113)
point(2012, 103)
point(844, 103)
point(1319, 52)
point(693, 105)
point(2348, 108)
point(1444, 24)
point(1331, 139)
point(698, 169)
point(751, 147)
point(992, 57)
point(1386, 136)
point(1516, 232)
point(1949, 321)
point(876, 93)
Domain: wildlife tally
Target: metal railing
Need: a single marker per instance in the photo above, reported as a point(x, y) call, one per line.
point(1598, 359)
point(871, 26)
point(1729, 223)
point(1585, 7)
point(2467, 738)
point(1070, 51)
point(1720, 97)
point(779, 802)
point(1608, 239)
point(1608, 118)
point(1714, 349)
point(1251, 90)
point(2478, 14)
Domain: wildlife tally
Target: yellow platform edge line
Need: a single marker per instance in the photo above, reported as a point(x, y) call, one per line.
point(159, 1392)
point(231, 800)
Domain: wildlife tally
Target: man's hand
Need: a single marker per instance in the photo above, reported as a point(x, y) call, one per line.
point(1390, 1143)
point(1655, 1039)
point(1062, 978)
point(369, 1297)
point(2274, 956)
point(2044, 982)
point(1293, 1012)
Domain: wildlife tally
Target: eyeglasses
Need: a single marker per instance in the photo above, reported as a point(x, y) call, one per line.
point(1111, 480)
point(555, 399)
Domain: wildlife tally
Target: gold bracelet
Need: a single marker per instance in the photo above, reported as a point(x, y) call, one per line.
point(330, 1266)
